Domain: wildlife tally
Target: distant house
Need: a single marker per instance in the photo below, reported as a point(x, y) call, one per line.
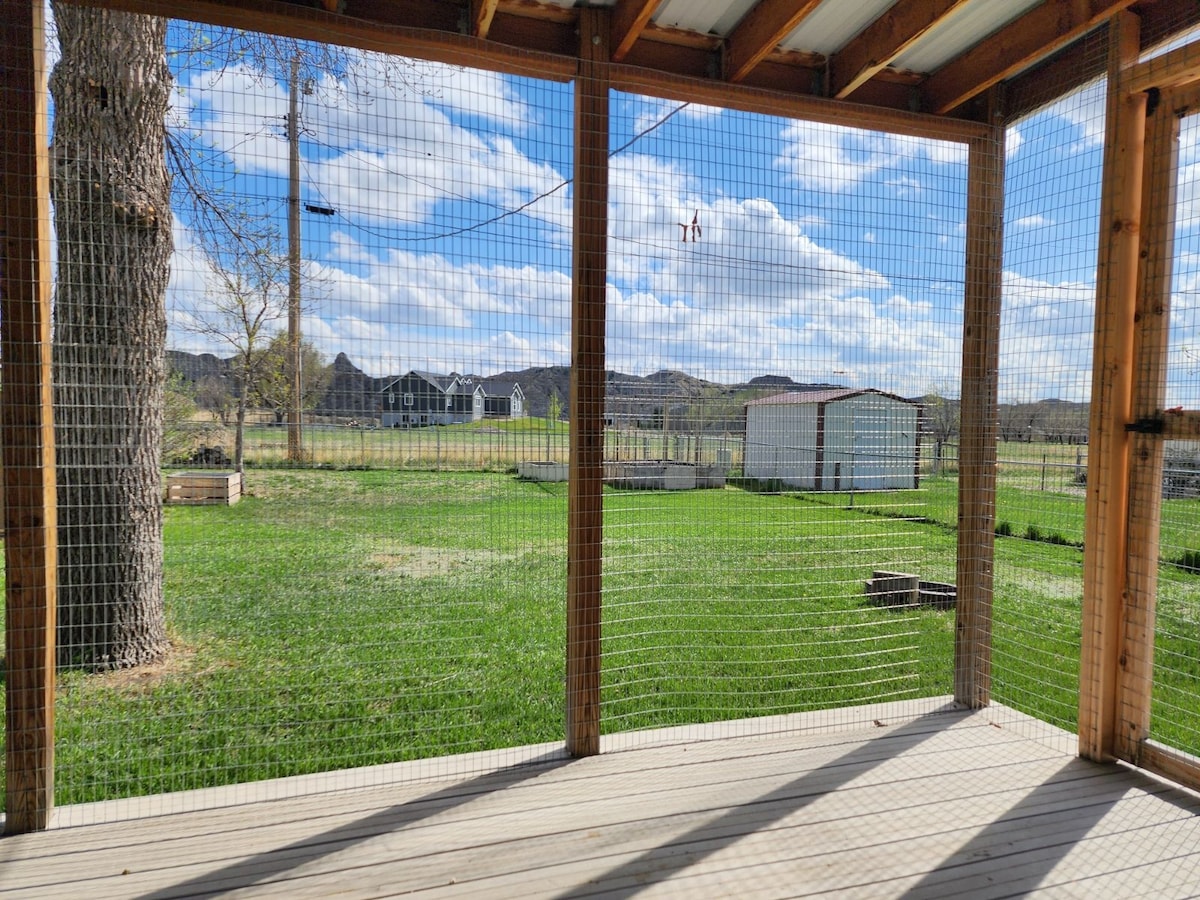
point(502, 399)
point(834, 440)
point(424, 398)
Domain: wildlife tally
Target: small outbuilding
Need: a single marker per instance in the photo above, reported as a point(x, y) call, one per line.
point(834, 440)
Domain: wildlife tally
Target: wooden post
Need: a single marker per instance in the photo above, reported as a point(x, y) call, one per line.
point(1136, 657)
point(1112, 369)
point(295, 451)
point(26, 420)
point(977, 445)
point(589, 264)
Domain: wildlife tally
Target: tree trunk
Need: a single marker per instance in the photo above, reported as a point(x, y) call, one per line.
point(113, 220)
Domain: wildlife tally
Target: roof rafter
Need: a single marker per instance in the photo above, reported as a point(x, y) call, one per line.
point(629, 19)
point(760, 32)
point(1033, 36)
point(883, 40)
point(482, 12)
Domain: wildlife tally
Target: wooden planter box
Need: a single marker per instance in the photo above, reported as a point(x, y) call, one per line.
point(204, 488)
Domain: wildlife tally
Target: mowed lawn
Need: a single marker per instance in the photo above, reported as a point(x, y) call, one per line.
point(335, 619)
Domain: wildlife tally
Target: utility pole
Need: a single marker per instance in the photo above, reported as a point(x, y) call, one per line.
point(295, 452)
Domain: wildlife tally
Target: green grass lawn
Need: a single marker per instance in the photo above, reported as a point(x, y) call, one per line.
point(344, 618)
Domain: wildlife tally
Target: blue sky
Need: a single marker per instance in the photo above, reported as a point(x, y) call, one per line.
point(825, 254)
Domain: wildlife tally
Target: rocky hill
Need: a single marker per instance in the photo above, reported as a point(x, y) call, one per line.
point(644, 401)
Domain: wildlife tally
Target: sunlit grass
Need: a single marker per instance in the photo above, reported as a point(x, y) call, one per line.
point(343, 618)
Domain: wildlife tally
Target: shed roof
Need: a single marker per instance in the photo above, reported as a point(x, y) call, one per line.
point(794, 398)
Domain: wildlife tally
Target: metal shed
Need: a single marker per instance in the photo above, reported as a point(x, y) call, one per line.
point(834, 440)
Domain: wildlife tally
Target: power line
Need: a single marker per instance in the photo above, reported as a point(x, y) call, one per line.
point(505, 213)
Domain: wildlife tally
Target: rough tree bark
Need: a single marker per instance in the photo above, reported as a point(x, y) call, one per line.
point(111, 193)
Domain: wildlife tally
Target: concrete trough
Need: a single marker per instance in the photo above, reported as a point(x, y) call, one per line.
point(542, 471)
point(662, 475)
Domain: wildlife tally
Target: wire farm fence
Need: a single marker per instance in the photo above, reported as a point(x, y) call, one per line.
point(1051, 236)
point(383, 589)
point(775, 288)
point(369, 421)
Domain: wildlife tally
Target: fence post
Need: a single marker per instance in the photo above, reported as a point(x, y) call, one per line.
point(589, 264)
point(1135, 673)
point(26, 410)
point(1108, 444)
point(977, 444)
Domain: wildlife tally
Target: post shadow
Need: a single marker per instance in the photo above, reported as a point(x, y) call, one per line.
point(662, 862)
point(272, 864)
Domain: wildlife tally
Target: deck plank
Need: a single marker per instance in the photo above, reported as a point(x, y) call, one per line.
point(938, 805)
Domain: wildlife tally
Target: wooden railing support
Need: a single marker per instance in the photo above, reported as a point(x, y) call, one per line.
point(589, 269)
point(1105, 523)
point(26, 420)
point(1135, 661)
point(977, 444)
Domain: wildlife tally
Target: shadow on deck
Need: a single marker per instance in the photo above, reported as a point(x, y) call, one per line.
point(919, 800)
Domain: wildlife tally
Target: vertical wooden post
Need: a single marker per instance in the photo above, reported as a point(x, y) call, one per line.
point(295, 451)
point(589, 264)
point(1135, 669)
point(1112, 369)
point(26, 421)
point(977, 442)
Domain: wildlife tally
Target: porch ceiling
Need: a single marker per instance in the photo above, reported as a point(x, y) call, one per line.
point(932, 56)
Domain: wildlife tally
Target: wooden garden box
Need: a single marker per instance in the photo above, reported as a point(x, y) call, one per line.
point(204, 488)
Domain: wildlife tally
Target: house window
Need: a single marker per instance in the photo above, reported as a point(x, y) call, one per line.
point(408, 399)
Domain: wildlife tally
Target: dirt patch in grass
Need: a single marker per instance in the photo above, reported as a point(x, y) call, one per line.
point(413, 561)
point(179, 659)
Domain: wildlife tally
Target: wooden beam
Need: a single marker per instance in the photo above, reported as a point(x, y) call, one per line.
point(629, 20)
point(589, 276)
point(883, 40)
point(1135, 670)
point(760, 31)
point(26, 420)
point(977, 442)
point(404, 33)
point(1175, 68)
point(1105, 519)
point(482, 12)
point(796, 106)
point(1174, 765)
point(1034, 36)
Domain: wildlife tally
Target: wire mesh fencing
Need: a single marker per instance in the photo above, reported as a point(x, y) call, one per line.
point(1052, 208)
point(779, 503)
point(365, 308)
point(329, 528)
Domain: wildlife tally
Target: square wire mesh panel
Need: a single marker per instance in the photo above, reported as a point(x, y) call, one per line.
point(1052, 207)
point(1175, 710)
point(365, 323)
point(784, 322)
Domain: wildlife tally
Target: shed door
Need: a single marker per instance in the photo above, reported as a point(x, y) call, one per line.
point(870, 453)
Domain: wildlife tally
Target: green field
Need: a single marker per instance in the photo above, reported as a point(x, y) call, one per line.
point(344, 618)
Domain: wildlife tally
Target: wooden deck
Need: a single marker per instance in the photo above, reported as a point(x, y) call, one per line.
point(944, 803)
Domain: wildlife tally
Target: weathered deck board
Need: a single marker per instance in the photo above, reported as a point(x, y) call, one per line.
point(940, 805)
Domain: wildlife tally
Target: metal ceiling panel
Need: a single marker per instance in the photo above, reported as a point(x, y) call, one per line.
point(702, 16)
point(833, 24)
point(959, 32)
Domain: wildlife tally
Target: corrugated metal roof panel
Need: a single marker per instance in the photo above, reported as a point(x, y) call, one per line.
point(960, 31)
point(833, 24)
point(702, 16)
